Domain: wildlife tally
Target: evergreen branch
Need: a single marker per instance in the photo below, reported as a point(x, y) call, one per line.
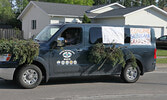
point(102, 64)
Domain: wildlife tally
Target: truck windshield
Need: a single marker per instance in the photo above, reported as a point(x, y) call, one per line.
point(47, 33)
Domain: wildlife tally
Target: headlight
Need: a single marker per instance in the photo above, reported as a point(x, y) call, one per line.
point(5, 57)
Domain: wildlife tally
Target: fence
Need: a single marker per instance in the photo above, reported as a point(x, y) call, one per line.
point(11, 33)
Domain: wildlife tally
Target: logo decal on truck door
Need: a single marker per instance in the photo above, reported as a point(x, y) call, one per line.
point(67, 54)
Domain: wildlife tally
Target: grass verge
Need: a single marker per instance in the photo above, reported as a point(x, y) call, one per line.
point(161, 52)
point(161, 61)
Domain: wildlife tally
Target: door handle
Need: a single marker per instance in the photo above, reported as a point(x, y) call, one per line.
point(79, 50)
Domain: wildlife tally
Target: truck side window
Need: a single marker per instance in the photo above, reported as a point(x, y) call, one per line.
point(127, 35)
point(72, 36)
point(95, 35)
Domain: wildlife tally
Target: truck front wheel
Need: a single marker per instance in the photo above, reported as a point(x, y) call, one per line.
point(29, 76)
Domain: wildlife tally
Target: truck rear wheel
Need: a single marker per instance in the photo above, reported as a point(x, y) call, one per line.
point(130, 74)
point(29, 76)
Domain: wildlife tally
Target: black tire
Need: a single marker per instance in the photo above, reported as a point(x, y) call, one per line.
point(130, 74)
point(29, 76)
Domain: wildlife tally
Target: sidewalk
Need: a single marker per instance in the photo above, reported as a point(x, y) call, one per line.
point(161, 57)
point(161, 65)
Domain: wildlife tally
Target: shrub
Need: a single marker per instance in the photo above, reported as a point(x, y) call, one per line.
point(86, 19)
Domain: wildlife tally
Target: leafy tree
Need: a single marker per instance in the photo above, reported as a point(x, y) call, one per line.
point(136, 3)
point(112, 1)
point(145, 2)
point(14, 22)
point(79, 2)
point(99, 2)
point(86, 19)
point(87, 2)
point(162, 3)
point(152, 2)
point(127, 3)
point(6, 12)
point(20, 5)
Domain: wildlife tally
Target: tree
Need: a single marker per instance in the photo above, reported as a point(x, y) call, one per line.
point(152, 2)
point(87, 2)
point(112, 1)
point(145, 2)
point(79, 2)
point(20, 5)
point(136, 3)
point(101, 2)
point(86, 19)
point(128, 3)
point(6, 12)
point(162, 3)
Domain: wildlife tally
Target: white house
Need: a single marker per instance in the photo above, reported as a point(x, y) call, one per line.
point(39, 14)
point(145, 16)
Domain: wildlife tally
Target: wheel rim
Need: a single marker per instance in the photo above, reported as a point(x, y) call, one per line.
point(131, 73)
point(30, 76)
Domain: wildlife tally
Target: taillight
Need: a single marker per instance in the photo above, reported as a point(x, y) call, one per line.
point(155, 53)
point(5, 57)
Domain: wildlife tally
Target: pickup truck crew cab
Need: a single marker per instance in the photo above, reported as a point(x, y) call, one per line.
point(63, 53)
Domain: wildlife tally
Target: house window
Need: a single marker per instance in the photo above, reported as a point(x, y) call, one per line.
point(33, 24)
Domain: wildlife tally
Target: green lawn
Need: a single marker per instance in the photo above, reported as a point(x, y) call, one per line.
point(161, 61)
point(161, 52)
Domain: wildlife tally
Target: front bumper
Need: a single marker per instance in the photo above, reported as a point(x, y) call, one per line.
point(7, 73)
point(7, 70)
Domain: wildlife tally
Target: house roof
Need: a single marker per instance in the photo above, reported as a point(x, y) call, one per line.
point(57, 9)
point(118, 12)
point(62, 9)
point(69, 10)
point(122, 12)
point(94, 8)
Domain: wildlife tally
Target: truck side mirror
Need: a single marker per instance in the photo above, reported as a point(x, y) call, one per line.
point(60, 42)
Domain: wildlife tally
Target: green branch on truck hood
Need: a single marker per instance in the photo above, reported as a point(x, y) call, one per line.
point(23, 51)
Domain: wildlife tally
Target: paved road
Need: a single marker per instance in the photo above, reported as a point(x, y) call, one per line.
point(151, 86)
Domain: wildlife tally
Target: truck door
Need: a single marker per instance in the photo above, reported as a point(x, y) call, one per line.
point(67, 60)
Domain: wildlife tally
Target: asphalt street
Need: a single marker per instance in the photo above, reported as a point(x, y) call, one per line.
point(151, 86)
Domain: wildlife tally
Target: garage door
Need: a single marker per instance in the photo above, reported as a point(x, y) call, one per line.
point(158, 32)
